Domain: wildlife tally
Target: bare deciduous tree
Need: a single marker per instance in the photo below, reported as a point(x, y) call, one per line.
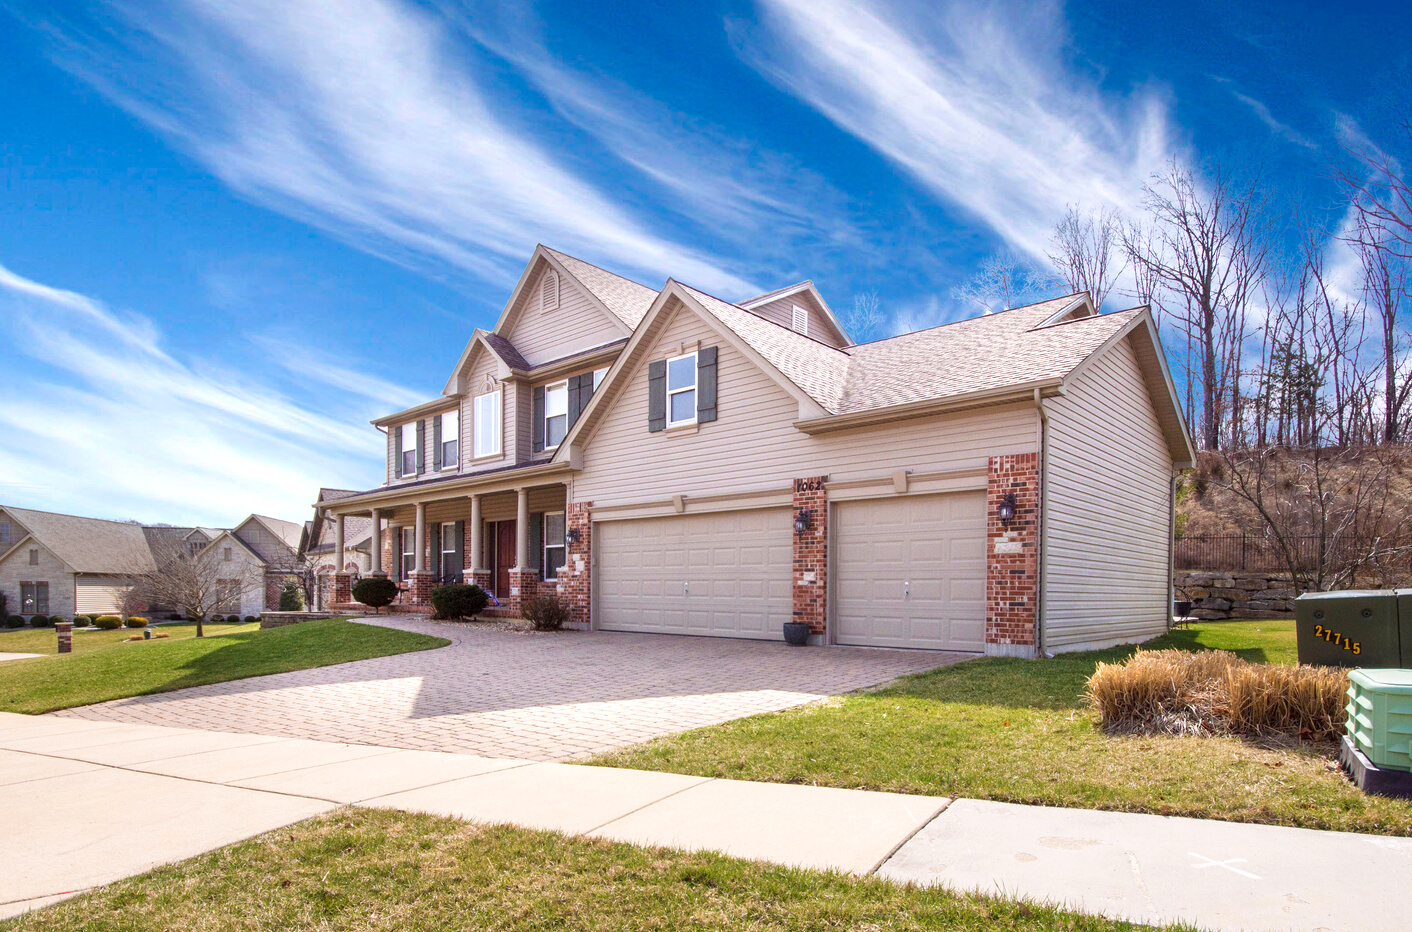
point(1003, 281)
point(196, 583)
point(865, 321)
point(1084, 246)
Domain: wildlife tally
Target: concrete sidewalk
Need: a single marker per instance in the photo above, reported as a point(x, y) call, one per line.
point(86, 803)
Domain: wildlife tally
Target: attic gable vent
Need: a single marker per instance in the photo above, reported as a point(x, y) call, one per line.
point(549, 292)
point(800, 320)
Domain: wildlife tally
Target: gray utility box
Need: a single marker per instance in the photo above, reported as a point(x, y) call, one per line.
point(1356, 628)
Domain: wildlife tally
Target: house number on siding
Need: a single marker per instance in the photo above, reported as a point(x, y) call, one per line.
point(814, 484)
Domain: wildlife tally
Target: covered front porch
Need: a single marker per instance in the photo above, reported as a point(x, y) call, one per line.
point(515, 539)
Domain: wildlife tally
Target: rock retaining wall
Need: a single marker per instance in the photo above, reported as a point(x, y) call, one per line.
point(280, 619)
point(1238, 595)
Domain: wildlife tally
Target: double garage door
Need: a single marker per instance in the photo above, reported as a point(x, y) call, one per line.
point(908, 572)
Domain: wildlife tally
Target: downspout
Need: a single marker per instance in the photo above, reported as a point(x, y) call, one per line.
point(1171, 548)
point(1042, 522)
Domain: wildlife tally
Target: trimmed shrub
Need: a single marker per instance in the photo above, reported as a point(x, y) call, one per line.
point(459, 600)
point(135, 621)
point(1217, 693)
point(15, 621)
point(291, 598)
point(40, 621)
point(545, 612)
point(375, 591)
point(108, 622)
point(252, 619)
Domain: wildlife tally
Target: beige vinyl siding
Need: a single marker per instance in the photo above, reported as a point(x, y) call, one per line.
point(753, 445)
point(99, 594)
point(1106, 530)
point(476, 384)
point(576, 325)
point(781, 311)
point(519, 410)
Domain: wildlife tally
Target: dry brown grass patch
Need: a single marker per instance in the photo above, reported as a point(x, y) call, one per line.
point(1174, 692)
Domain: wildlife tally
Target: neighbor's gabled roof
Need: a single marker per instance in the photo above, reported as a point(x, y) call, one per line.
point(806, 286)
point(88, 545)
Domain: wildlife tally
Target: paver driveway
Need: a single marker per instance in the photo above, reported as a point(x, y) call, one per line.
point(540, 696)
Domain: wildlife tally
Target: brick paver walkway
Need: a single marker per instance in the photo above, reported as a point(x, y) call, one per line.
point(540, 696)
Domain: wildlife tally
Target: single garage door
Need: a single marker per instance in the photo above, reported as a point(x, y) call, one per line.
point(910, 572)
point(102, 595)
point(725, 574)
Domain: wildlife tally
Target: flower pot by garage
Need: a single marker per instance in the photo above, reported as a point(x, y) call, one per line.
point(796, 633)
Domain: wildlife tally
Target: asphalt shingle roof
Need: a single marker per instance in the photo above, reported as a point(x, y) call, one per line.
point(89, 545)
point(624, 297)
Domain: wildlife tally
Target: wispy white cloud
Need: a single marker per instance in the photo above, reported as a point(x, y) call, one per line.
point(107, 422)
point(975, 103)
point(1263, 114)
point(363, 117)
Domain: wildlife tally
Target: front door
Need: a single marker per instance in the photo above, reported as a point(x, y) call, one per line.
point(504, 557)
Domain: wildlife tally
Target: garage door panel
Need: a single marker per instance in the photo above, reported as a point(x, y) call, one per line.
point(738, 565)
point(910, 572)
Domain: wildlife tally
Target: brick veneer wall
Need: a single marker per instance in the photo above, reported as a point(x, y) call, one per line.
point(273, 585)
point(576, 576)
point(1012, 556)
point(342, 588)
point(811, 554)
point(523, 584)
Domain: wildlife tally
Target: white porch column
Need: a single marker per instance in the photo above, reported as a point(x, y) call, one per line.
point(522, 558)
point(419, 561)
point(338, 543)
point(477, 534)
point(377, 543)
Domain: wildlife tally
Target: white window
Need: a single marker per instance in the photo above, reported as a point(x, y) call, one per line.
point(407, 460)
point(449, 569)
point(598, 375)
point(450, 439)
point(409, 551)
point(681, 390)
point(553, 543)
point(800, 320)
point(487, 424)
point(556, 413)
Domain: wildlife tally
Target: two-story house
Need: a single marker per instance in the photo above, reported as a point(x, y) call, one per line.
point(669, 461)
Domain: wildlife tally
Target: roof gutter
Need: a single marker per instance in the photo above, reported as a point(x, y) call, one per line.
point(426, 407)
point(929, 406)
point(409, 494)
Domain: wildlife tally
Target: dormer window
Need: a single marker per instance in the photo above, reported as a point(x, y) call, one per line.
point(800, 320)
point(556, 413)
point(681, 390)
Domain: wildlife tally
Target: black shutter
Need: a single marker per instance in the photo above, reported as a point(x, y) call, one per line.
point(657, 395)
point(573, 399)
point(458, 571)
point(536, 529)
point(397, 450)
point(706, 384)
point(436, 442)
point(538, 417)
point(421, 447)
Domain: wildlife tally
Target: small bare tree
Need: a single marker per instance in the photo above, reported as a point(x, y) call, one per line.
point(197, 583)
point(1003, 281)
point(865, 321)
point(1084, 246)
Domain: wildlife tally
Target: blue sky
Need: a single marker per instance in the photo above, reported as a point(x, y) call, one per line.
point(231, 233)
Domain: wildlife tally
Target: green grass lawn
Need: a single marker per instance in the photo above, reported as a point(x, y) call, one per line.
point(111, 668)
point(46, 640)
point(383, 870)
point(1020, 731)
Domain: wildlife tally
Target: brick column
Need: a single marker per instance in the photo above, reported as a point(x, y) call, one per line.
point(65, 631)
point(811, 554)
point(576, 576)
point(1012, 557)
point(419, 586)
point(524, 584)
point(342, 588)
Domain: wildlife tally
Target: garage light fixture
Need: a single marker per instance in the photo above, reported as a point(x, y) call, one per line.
point(1005, 511)
point(572, 535)
point(803, 520)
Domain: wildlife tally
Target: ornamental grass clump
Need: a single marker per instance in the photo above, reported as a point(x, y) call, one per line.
point(1175, 692)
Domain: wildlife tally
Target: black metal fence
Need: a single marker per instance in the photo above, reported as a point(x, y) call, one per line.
point(1247, 552)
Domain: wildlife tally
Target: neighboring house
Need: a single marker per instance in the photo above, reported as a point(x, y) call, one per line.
point(671, 462)
point(261, 549)
point(318, 547)
point(53, 564)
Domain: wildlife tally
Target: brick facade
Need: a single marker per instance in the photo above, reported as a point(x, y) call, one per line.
point(576, 576)
point(811, 554)
point(419, 587)
point(342, 588)
point(1012, 556)
point(523, 584)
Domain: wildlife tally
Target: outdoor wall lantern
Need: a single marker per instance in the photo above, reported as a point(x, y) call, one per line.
point(1005, 511)
point(572, 535)
point(803, 520)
